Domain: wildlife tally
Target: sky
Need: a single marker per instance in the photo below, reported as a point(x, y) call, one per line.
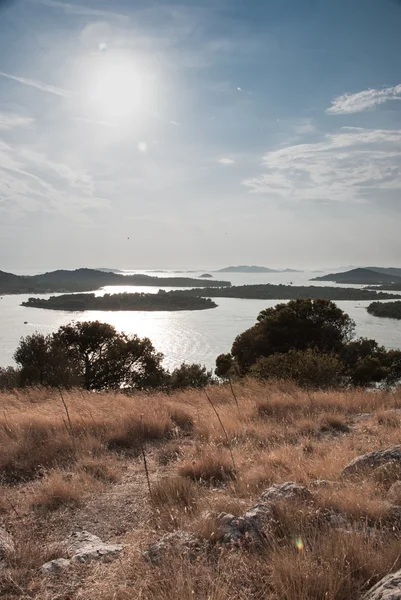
point(199, 133)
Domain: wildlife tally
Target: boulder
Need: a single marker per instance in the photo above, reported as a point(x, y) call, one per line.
point(372, 460)
point(239, 531)
point(388, 588)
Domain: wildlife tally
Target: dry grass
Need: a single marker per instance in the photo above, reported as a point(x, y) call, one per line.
point(54, 479)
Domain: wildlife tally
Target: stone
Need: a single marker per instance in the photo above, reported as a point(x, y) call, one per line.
point(372, 460)
point(84, 546)
point(285, 491)
point(239, 531)
point(394, 493)
point(55, 566)
point(186, 544)
point(388, 588)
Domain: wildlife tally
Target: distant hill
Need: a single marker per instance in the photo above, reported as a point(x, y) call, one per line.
point(360, 276)
point(86, 280)
point(388, 270)
point(254, 269)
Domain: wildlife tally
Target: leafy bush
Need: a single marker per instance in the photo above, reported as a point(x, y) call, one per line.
point(307, 368)
point(190, 376)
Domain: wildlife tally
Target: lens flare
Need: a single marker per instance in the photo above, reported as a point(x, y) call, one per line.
point(299, 543)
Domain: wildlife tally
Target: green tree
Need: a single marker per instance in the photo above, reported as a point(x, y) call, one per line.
point(190, 376)
point(89, 354)
point(299, 325)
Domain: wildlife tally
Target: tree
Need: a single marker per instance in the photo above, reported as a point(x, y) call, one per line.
point(41, 361)
point(92, 355)
point(190, 376)
point(299, 325)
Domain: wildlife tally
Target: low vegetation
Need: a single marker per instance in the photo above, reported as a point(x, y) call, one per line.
point(77, 462)
point(390, 310)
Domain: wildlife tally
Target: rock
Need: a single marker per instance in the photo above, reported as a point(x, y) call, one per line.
point(394, 493)
point(389, 588)
point(323, 483)
point(186, 544)
point(84, 546)
point(239, 531)
point(285, 491)
point(372, 460)
point(55, 566)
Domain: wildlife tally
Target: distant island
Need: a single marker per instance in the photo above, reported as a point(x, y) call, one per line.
point(87, 280)
point(163, 301)
point(254, 269)
point(388, 270)
point(206, 276)
point(360, 276)
point(390, 310)
point(289, 292)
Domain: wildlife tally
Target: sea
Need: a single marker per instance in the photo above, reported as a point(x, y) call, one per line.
point(188, 336)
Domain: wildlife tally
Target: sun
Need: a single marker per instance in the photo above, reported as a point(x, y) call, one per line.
point(116, 88)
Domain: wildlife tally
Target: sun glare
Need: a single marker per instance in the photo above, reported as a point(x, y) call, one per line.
point(116, 88)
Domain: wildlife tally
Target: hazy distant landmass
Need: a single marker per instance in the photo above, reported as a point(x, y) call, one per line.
point(206, 276)
point(388, 270)
point(360, 276)
point(289, 292)
point(86, 280)
point(254, 269)
point(138, 301)
point(390, 310)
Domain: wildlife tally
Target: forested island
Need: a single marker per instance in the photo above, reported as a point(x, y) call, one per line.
point(390, 310)
point(361, 276)
point(138, 301)
point(289, 292)
point(87, 280)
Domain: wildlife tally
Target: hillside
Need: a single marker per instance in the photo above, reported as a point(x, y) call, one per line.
point(85, 280)
point(163, 301)
point(388, 270)
point(288, 292)
point(264, 503)
point(360, 276)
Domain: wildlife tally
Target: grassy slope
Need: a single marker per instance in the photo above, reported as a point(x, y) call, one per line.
point(94, 479)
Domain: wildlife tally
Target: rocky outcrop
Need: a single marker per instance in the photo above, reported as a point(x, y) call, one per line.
point(394, 493)
point(82, 546)
point(372, 460)
point(389, 588)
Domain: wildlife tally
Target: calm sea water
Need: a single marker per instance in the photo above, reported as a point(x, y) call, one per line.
point(193, 336)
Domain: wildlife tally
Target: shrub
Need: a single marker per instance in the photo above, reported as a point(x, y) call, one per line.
point(307, 368)
point(190, 376)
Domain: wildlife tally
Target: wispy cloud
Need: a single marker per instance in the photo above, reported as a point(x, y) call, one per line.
point(354, 103)
point(30, 181)
point(11, 120)
point(39, 85)
point(226, 161)
point(354, 165)
point(305, 126)
point(79, 9)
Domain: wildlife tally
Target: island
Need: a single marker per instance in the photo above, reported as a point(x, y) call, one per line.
point(288, 292)
point(360, 276)
point(255, 269)
point(87, 280)
point(206, 276)
point(162, 301)
point(390, 310)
